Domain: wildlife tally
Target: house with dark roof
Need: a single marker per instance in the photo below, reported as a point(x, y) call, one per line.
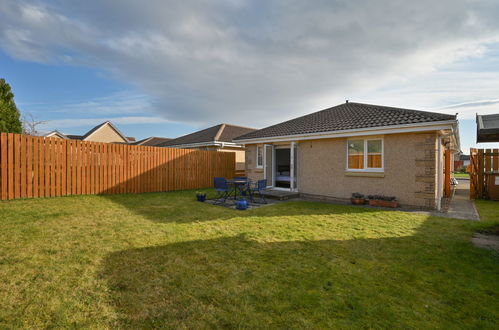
point(152, 141)
point(355, 147)
point(461, 161)
point(106, 132)
point(216, 138)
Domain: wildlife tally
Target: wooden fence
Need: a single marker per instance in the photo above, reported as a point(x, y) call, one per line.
point(33, 167)
point(482, 162)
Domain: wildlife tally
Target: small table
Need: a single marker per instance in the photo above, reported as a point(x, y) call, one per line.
point(237, 186)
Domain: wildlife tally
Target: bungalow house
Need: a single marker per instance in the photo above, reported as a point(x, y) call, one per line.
point(217, 138)
point(105, 132)
point(356, 147)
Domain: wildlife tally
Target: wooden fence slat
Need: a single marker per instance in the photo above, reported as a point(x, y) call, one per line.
point(64, 174)
point(480, 173)
point(56, 168)
point(41, 166)
point(3, 158)
point(29, 169)
point(121, 165)
point(48, 162)
point(36, 173)
point(495, 160)
point(10, 166)
point(17, 166)
point(23, 164)
point(74, 167)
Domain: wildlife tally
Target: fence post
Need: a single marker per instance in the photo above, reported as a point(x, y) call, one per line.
point(480, 173)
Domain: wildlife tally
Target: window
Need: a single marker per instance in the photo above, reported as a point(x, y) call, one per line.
point(259, 156)
point(365, 154)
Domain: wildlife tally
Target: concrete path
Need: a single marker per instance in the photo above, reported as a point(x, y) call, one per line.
point(460, 206)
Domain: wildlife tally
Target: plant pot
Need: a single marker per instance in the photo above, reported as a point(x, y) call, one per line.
point(242, 204)
point(382, 203)
point(357, 201)
point(201, 197)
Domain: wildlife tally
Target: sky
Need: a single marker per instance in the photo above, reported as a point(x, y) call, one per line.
point(167, 68)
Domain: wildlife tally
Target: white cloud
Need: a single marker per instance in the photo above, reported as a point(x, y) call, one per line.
point(255, 63)
point(63, 124)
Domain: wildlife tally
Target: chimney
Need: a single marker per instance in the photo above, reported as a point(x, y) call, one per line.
point(346, 101)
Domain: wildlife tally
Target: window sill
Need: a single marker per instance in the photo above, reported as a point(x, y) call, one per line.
point(365, 174)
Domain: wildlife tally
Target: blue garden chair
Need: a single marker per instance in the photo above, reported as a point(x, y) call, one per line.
point(258, 188)
point(222, 189)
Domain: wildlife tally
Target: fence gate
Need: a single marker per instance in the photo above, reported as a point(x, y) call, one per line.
point(482, 163)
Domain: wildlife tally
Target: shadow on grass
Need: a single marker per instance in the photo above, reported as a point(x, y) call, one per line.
point(431, 279)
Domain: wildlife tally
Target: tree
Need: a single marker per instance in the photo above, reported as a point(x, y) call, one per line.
point(30, 124)
point(10, 121)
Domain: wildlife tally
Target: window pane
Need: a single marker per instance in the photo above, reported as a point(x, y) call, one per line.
point(259, 157)
point(374, 154)
point(356, 154)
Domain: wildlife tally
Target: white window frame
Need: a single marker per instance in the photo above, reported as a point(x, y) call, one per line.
point(261, 147)
point(368, 169)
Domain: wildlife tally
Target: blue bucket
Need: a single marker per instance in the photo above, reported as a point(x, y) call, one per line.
point(242, 204)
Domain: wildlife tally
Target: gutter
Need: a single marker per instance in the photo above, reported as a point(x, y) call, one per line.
point(207, 144)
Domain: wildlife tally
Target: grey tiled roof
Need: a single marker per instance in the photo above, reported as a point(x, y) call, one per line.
point(152, 141)
point(221, 132)
point(347, 116)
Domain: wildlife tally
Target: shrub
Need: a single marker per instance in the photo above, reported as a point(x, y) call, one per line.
point(382, 198)
point(357, 195)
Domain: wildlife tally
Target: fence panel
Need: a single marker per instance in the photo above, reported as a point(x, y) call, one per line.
point(482, 163)
point(33, 167)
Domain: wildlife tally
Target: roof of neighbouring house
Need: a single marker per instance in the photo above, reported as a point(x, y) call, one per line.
point(152, 141)
point(58, 134)
point(217, 133)
point(487, 127)
point(94, 129)
point(464, 157)
point(347, 116)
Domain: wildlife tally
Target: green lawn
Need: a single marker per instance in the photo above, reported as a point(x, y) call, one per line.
point(459, 175)
point(164, 260)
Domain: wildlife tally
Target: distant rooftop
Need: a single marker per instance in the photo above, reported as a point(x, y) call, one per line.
point(217, 133)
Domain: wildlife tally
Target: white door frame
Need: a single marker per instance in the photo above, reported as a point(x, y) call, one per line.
point(269, 184)
point(292, 166)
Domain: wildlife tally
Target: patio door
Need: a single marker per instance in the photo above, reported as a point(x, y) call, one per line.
point(268, 159)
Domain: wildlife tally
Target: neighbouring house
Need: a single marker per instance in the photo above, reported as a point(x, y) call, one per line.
point(487, 128)
point(354, 147)
point(461, 161)
point(152, 141)
point(218, 138)
point(105, 132)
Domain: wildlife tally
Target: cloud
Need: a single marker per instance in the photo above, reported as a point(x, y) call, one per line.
point(63, 124)
point(252, 62)
point(472, 104)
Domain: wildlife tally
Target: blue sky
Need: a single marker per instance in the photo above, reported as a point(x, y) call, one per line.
point(169, 68)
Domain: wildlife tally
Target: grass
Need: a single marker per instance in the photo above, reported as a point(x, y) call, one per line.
point(489, 216)
point(459, 175)
point(164, 260)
